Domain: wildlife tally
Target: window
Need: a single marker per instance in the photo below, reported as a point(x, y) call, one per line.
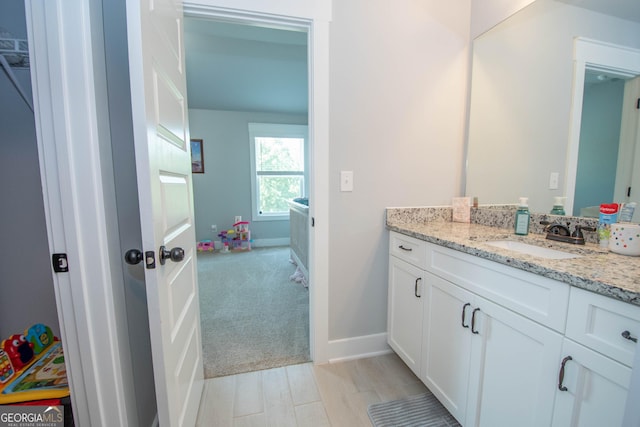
point(278, 168)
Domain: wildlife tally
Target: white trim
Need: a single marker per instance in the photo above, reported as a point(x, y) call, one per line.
point(276, 130)
point(595, 55)
point(266, 243)
point(358, 347)
point(73, 149)
point(317, 29)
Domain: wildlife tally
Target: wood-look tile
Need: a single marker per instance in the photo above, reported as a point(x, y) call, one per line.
point(307, 395)
point(334, 378)
point(394, 370)
point(255, 420)
point(312, 415)
point(277, 398)
point(216, 408)
point(248, 394)
point(302, 384)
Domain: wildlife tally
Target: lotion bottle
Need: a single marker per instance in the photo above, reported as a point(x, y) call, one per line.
point(558, 206)
point(522, 217)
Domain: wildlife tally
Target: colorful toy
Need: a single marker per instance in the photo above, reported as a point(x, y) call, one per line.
point(40, 336)
point(205, 245)
point(19, 350)
point(6, 368)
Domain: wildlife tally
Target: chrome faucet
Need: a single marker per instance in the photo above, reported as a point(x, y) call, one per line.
point(561, 233)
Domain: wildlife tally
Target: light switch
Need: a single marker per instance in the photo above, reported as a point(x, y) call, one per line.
point(346, 180)
point(553, 180)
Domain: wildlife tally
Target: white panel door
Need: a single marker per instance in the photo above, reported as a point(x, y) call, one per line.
point(447, 349)
point(513, 370)
point(163, 161)
point(404, 314)
point(594, 389)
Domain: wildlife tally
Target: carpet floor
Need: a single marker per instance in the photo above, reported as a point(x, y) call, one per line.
point(252, 316)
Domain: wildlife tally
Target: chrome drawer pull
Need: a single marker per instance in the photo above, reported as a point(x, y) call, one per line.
point(405, 249)
point(627, 335)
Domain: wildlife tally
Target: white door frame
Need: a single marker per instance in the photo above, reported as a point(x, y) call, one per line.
point(67, 61)
point(70, 103)
point(318, 46)
point(595, 55)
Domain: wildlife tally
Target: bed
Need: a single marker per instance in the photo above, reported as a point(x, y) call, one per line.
point(299, 234)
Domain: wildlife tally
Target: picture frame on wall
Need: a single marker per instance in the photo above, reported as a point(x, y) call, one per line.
point(197, 156)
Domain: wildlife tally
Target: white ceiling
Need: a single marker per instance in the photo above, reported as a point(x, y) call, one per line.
point(245, 68)
point(625, 9)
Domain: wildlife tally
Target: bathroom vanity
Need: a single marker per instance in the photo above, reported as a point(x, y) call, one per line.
point(506, 338)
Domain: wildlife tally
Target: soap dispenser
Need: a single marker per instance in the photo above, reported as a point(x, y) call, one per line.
point(558, 206)
point(522, 217)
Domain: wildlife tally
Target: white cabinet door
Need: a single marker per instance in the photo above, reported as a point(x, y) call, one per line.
point(513, 369)
point(447, 348)
point(594, 389)
point(404, 321)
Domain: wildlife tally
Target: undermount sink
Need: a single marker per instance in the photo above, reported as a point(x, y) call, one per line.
point(533, 250)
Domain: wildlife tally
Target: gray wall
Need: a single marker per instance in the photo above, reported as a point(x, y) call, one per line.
point(398, 73)
point(26, 286)
point(224, 190)
point(121, 128)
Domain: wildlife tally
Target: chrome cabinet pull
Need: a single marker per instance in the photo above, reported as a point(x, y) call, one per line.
point(561, 374)
point(405, 249)
point(627, 335)
point(464, 313)
point(473, 321)
point(415, 288)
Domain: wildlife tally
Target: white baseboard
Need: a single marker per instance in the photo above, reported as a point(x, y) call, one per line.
point(261, 243)
point(358, 347)
point(264, 243)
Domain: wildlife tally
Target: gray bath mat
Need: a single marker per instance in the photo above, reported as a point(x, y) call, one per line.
point(422, 410)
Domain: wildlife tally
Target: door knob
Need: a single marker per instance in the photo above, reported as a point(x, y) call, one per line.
point(175, 254)
point(133, 256)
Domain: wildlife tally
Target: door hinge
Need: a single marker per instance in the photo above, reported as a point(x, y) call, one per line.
point(60, 263)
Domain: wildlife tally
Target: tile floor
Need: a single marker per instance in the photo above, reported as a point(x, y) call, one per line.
point(307, 395)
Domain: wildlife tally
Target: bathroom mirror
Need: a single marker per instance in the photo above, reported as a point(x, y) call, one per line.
point(522, 131)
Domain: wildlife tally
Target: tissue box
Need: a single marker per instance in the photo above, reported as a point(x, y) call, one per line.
point(461, 209)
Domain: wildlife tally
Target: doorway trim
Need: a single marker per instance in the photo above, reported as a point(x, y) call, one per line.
point(595, 55)
point(318, 60)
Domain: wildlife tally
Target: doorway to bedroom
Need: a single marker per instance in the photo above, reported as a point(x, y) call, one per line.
point(254, 313)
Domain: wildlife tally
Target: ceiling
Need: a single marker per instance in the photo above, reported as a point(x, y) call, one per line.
point(241, 67)
point(624, 9)
point(245, 68)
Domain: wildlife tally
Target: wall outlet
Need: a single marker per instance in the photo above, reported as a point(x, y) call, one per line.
point(214, 228)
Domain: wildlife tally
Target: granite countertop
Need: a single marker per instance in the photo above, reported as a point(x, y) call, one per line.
point(598, 270)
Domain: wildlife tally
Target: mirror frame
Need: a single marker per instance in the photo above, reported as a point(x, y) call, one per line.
point(592, 54)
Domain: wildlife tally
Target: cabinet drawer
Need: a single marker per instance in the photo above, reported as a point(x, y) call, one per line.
point(598, 322)
point(409, 249)
point(535, 297)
